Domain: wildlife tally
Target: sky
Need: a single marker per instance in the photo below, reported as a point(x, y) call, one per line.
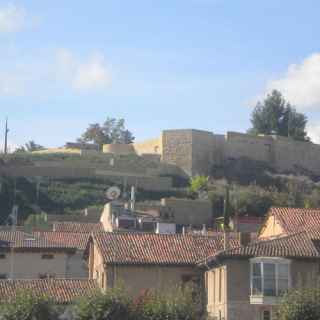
point(162, 64)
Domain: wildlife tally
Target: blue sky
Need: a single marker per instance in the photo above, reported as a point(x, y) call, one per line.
point(158, 64)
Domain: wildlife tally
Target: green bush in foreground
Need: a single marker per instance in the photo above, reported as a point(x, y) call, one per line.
point(301, 305)
point(114, 304)
point(27, 306)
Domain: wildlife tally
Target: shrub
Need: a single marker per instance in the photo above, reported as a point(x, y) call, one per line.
point(301, 305)
point(178, 304)
point(27, 306)
point(110, 305)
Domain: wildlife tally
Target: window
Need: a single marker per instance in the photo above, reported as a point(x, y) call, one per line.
point(47, 275)
point(3, 276)
point(269, 277)
point(47, 256)
point(266, 315)
point(2, 256)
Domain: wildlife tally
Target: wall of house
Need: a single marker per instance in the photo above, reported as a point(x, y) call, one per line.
point(235, 303)
point(271, 227)
point(138, 279)
point(29, 265)
point(96, 267)
point(77, 267)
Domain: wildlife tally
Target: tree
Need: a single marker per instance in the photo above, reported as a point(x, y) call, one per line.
point(111, 131)
point(28, 306)
point(113, 304)
point(276, 116)
point(29, 147)
point(301, 304)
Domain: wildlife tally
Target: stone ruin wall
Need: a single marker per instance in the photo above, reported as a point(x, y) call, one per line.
point(195, 151)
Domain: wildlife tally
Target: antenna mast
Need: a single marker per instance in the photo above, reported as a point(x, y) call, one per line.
point(6, 131)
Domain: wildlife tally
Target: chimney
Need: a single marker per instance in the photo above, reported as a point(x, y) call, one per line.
point(226, 240)
point(244, 238)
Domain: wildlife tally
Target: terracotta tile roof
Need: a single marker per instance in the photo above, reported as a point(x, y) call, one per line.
point(294, 220)
point(77, 227)
point(23, 241)
point(305, 244)
point(62, 291)
point(68, 239)
point(156, 249)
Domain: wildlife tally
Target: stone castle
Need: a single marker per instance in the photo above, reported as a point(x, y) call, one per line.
point(196, 151)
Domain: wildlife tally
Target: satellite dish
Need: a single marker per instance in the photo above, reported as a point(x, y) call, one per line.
point(113, 193)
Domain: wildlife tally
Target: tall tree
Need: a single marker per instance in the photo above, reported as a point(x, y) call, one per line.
point(111, 131)
point(276, 116)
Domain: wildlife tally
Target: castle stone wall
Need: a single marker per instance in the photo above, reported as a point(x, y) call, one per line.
point(195, 151)
point(238, 145)
point(177, 149)
point(152, 146)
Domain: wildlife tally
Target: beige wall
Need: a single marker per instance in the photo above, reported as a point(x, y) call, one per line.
point(152, 146)
point(270, 228)
point(137, 279)
point(106, 218)
point(235, 281)
point(28, 265)
point(118, 148)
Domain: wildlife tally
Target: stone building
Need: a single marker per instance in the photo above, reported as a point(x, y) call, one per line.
point(249, 281)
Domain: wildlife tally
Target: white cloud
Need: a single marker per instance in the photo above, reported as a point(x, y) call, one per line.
point(301, 84)
point(90, 74)
point(314, 132)
point(12, 18)
point(60, 72)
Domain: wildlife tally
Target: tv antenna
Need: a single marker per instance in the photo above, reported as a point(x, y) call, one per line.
point(113, 193)
point(6, 131)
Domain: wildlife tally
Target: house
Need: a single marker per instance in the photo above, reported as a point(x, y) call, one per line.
point(30, 256)
point(284, 221)
point(248, 281)
point(142, 261)
point(77, 266)
point(61, 291)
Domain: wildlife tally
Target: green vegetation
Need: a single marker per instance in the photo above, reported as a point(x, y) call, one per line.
point(198, 184)
point(276, 116)
point(111, 131)
point(301, 304)
point(28, 306)
point(113, 304)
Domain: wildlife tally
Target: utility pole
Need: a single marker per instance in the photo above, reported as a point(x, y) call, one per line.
point(6, 131)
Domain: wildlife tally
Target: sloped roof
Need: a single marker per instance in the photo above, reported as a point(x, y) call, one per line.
point(77, 227)
point(304, 244)
point(62, 291)
point(293, 220)
point(24, 241)
point(157, 249)
point(68, 239)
